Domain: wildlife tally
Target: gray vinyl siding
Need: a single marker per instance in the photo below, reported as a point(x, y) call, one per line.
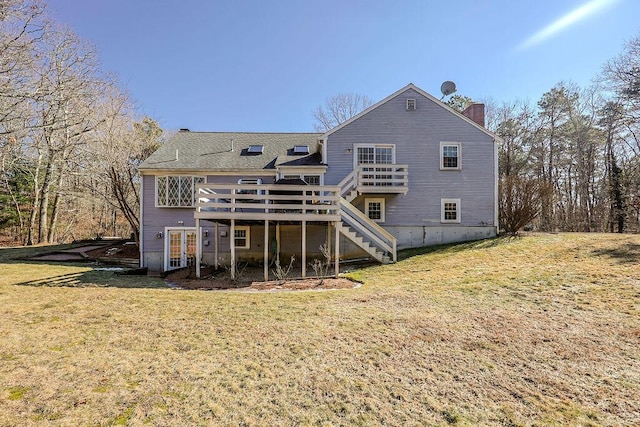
point(417, 136)
point(157, 218)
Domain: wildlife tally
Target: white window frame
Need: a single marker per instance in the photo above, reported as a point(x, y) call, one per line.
point(382, 208)
point(193, 190)
point(247, 230)
point(301, 175)
point(374, 146)
point(458, 145)
point(412, 104)
point(255, 181)
point(443, 202)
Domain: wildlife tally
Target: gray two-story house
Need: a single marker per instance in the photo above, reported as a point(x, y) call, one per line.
point(407, 172)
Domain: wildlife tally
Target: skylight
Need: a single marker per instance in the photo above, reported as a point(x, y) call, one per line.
point(255, 149)
point(300, 149)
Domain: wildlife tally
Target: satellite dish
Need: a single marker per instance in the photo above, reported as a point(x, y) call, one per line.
point(447, 88)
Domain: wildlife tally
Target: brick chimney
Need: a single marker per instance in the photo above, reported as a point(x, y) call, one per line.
point(475, 112)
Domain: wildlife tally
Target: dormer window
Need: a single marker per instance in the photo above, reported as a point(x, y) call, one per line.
point(300, 149)
point(411, 104)
point(255, 149)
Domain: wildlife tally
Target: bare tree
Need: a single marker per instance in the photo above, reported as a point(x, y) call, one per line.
point(22, 25)
point(119, 145)
point(520, 201)
point(338, 109)
point(69, 90)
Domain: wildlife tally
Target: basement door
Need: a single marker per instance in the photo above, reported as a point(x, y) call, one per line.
point(180, 248)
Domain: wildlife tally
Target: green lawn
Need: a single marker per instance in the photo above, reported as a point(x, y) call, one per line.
point(539, 330)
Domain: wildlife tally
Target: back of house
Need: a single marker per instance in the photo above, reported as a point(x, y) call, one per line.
point(406, 172)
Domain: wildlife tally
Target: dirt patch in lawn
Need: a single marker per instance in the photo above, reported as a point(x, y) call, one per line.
point(251, 280)
point(116, 251)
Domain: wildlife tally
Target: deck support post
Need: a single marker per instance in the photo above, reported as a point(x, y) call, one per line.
point(265, 262)
point(304, 249)
point(198, 247)
point(216, 237)
point(337, 254)
point(328, 241)
point(278, 243)
point(232, 245)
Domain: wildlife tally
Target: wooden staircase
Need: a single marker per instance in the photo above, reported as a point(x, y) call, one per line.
point(357, 227)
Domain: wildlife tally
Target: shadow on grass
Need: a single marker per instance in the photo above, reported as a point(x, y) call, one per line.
point(456, 247)
point(623, 254)
point(21, 253)
point(91, 278)
point(96, 278)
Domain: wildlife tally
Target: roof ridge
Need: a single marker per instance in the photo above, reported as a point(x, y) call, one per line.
point(251, 132)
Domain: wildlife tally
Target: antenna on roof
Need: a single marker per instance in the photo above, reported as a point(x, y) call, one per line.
point(447, 88)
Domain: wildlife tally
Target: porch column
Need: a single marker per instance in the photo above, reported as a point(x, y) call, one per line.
point(266, 250)
point(198, 247)
point(215, 245)
point(232, 244)
point(304, 249)
point(337, 254)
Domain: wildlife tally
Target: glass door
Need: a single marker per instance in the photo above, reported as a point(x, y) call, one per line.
point(181, 248)
point(374, 156)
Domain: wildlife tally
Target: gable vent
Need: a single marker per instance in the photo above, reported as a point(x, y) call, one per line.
point(411, 104)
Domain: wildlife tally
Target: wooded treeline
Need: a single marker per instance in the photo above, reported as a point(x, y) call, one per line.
point(570, 162)
point(69, 136)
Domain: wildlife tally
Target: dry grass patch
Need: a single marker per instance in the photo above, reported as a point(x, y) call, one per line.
point(540, 330)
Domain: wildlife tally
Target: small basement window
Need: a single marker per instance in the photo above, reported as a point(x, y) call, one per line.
point(255, 149)
point(411, 104)
point(300, 149)
point(241, 238)
point(450, 210)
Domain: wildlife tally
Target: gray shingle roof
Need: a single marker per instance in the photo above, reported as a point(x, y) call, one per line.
point(210, 151)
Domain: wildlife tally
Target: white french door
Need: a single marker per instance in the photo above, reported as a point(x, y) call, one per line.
point(371, 157)
point(180, 248)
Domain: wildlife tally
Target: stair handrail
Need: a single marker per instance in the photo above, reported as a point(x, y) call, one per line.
point(349, 182)
point(369, 228)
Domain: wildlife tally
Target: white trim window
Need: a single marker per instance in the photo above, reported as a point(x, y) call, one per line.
point(177, 190)
point(374, 209)
point(242, 237)
point(310, 179)
point(251, 181)
point(450, 211)
point(411, 104)
point(450, 156)
point(375, 154)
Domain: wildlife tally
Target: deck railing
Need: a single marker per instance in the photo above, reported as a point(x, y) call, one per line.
point(383, 178)
point(268, 202)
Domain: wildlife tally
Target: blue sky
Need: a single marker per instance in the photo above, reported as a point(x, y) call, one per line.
point(250, 65)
